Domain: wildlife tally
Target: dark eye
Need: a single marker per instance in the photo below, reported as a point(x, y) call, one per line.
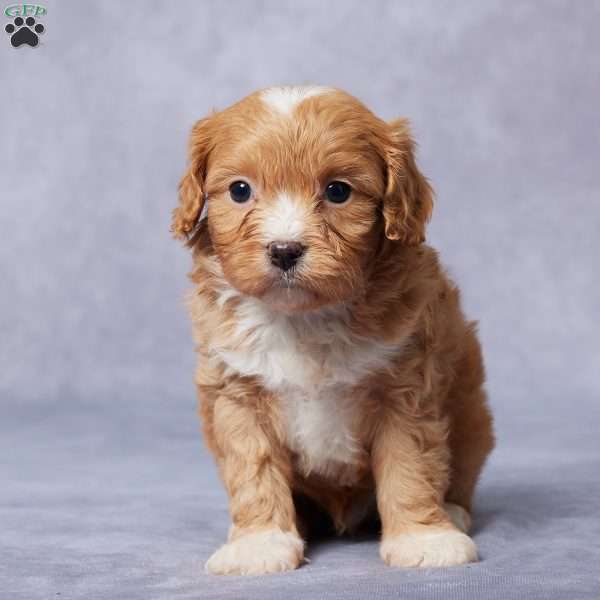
point(240, 191)
point(337, 192)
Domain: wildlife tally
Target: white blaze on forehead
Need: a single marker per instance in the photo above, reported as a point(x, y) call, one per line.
point(284, 220)
point(285, 99)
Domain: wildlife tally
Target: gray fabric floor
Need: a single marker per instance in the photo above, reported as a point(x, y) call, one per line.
point(106, 491)
point(127, 505)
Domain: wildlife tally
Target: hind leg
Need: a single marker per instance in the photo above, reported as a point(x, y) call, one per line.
point(459, 516)
point(471, 436)
point(471, 440)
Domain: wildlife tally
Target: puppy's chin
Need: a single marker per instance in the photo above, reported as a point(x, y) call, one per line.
point(289, 292)
point(291, 298)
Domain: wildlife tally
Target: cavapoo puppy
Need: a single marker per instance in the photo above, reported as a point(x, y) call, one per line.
point(337, 374)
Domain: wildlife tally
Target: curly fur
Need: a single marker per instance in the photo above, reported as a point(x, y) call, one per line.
point(355, 381)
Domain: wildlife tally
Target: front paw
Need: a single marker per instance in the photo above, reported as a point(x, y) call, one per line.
point(267, 551)
point(429, 547)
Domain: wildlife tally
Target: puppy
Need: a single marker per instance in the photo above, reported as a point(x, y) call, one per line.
point(335, 365)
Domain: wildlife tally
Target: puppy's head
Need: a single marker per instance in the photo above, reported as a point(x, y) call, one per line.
point(299, 188)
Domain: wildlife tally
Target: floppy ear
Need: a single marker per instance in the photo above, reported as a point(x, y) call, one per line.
point(408, 199)
point(191, 193)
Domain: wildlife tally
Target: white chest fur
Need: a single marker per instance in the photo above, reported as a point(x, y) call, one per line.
point(311, 362)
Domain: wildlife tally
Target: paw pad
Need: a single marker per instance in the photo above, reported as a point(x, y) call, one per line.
point(24, 32)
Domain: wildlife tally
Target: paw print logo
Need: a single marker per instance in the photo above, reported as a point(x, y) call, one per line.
point(24, 32)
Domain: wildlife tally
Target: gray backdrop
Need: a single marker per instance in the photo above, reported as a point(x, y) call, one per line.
point(106, 490)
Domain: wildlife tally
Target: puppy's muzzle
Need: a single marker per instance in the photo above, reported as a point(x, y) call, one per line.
point(285, 254)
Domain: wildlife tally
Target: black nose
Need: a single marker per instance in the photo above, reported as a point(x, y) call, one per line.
point(285, 254)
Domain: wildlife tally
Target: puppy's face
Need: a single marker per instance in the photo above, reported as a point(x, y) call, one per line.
point(301, 185)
